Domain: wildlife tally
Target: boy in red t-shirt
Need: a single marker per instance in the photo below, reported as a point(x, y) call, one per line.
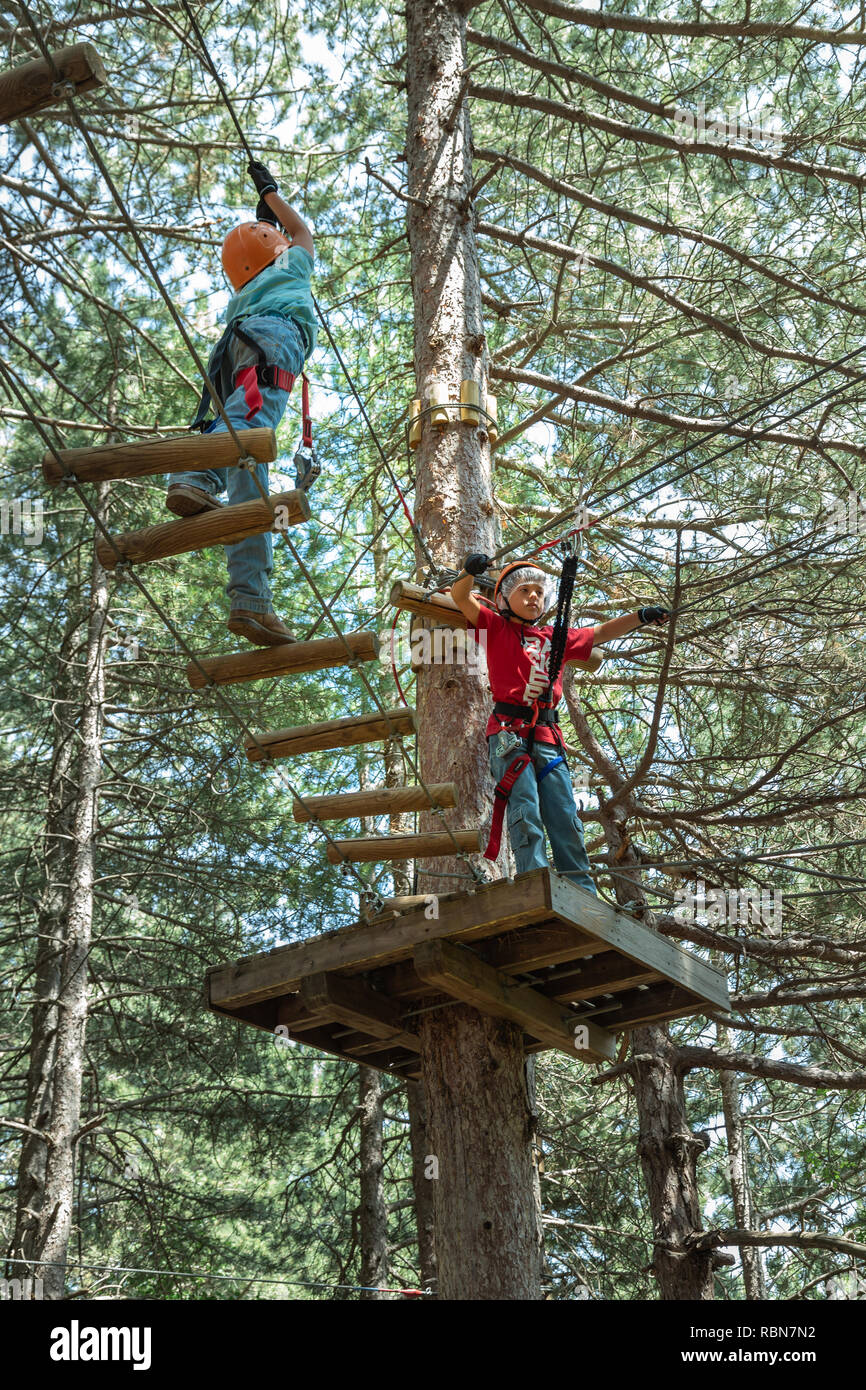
point(523, 728)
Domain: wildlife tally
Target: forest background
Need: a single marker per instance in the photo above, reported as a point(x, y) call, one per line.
point(640, 291)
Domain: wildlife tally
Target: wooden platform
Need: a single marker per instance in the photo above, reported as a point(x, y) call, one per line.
point(572, 971)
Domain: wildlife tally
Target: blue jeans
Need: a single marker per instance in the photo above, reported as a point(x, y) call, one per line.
point(535, 806)
point(251, 561)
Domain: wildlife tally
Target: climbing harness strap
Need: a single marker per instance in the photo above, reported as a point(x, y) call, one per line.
point(500, 801)
point(528, 714)
point(252, 378)
point(548, 767)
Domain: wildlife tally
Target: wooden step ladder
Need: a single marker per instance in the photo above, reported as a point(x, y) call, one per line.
point(375, 801)
point(30, 87)
point(332, 733)
point(151, 457)
point(290, 659)
point(384, 848)
point(224, 526)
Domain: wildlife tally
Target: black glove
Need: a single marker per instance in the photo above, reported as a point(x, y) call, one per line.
point(653, 615)
point(264, 214)
point(262, 177)
point(476, 564)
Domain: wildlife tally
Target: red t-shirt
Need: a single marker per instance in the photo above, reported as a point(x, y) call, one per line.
point(519, 672)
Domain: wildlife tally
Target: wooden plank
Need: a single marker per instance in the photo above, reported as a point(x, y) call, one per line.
point(225, 526)
point(441, 608)
point(533, 948)
point(322, 1040)
point(411, 598)
point(375, 801)
point(287, 660)
point(493, 909)
point(145, 457)
point(30, 87)
point(332, 733)
point(659, 1002)
point(620, 933)
point(384, 848)
point(524, 948)
point(462, 975)
point(397, 905)
point(608, 973)
point(351, 1001)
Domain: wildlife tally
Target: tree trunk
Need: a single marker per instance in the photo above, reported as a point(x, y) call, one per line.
point(667, 1147)
point(486, 1231)
point(374, 1214)
point(47, 1164)
point(422, 1186)
point(738, 1171)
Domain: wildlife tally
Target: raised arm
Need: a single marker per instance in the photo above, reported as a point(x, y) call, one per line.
point(292, 223)
point(618, 627)
point(461, 592)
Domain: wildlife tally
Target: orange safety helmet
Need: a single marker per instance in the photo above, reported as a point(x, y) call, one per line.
point(249, 248)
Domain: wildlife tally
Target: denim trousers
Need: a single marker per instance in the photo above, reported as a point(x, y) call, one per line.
point(535, 806)
point(251, 561)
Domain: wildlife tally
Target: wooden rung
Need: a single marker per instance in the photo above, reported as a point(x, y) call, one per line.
point(30, 87)
point(287, 660)
point(411, 598)
point(333, 733)
point(140, 458)
point(224, 526)
point(433, 844)
point(375, 801)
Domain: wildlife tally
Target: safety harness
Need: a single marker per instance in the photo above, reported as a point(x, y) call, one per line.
point(542, 711)
point(252, 378)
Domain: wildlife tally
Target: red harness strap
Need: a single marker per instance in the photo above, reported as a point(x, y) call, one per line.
point(500, 801)
point(306, 418)
point(248, 378)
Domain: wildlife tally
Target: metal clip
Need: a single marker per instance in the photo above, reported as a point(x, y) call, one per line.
point(307, 468)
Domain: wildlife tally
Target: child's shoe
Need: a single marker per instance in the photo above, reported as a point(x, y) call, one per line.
point(185, 500)
point(263, 629)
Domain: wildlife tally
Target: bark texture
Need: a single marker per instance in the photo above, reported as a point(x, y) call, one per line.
point(738, 1172)
point(486, 1228)
point(46, 1179)
point(374, 1213)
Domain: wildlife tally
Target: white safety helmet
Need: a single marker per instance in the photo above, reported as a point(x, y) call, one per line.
point(523, 572)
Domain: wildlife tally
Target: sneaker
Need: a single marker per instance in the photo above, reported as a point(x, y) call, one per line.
point(263, 629)
point(185, 500)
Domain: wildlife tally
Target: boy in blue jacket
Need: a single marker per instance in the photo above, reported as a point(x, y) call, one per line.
point(271, 332)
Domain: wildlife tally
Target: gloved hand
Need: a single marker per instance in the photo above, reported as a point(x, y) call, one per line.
point(653, 615)
point(264, 214)
point(262, 177)
point(476, 563)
